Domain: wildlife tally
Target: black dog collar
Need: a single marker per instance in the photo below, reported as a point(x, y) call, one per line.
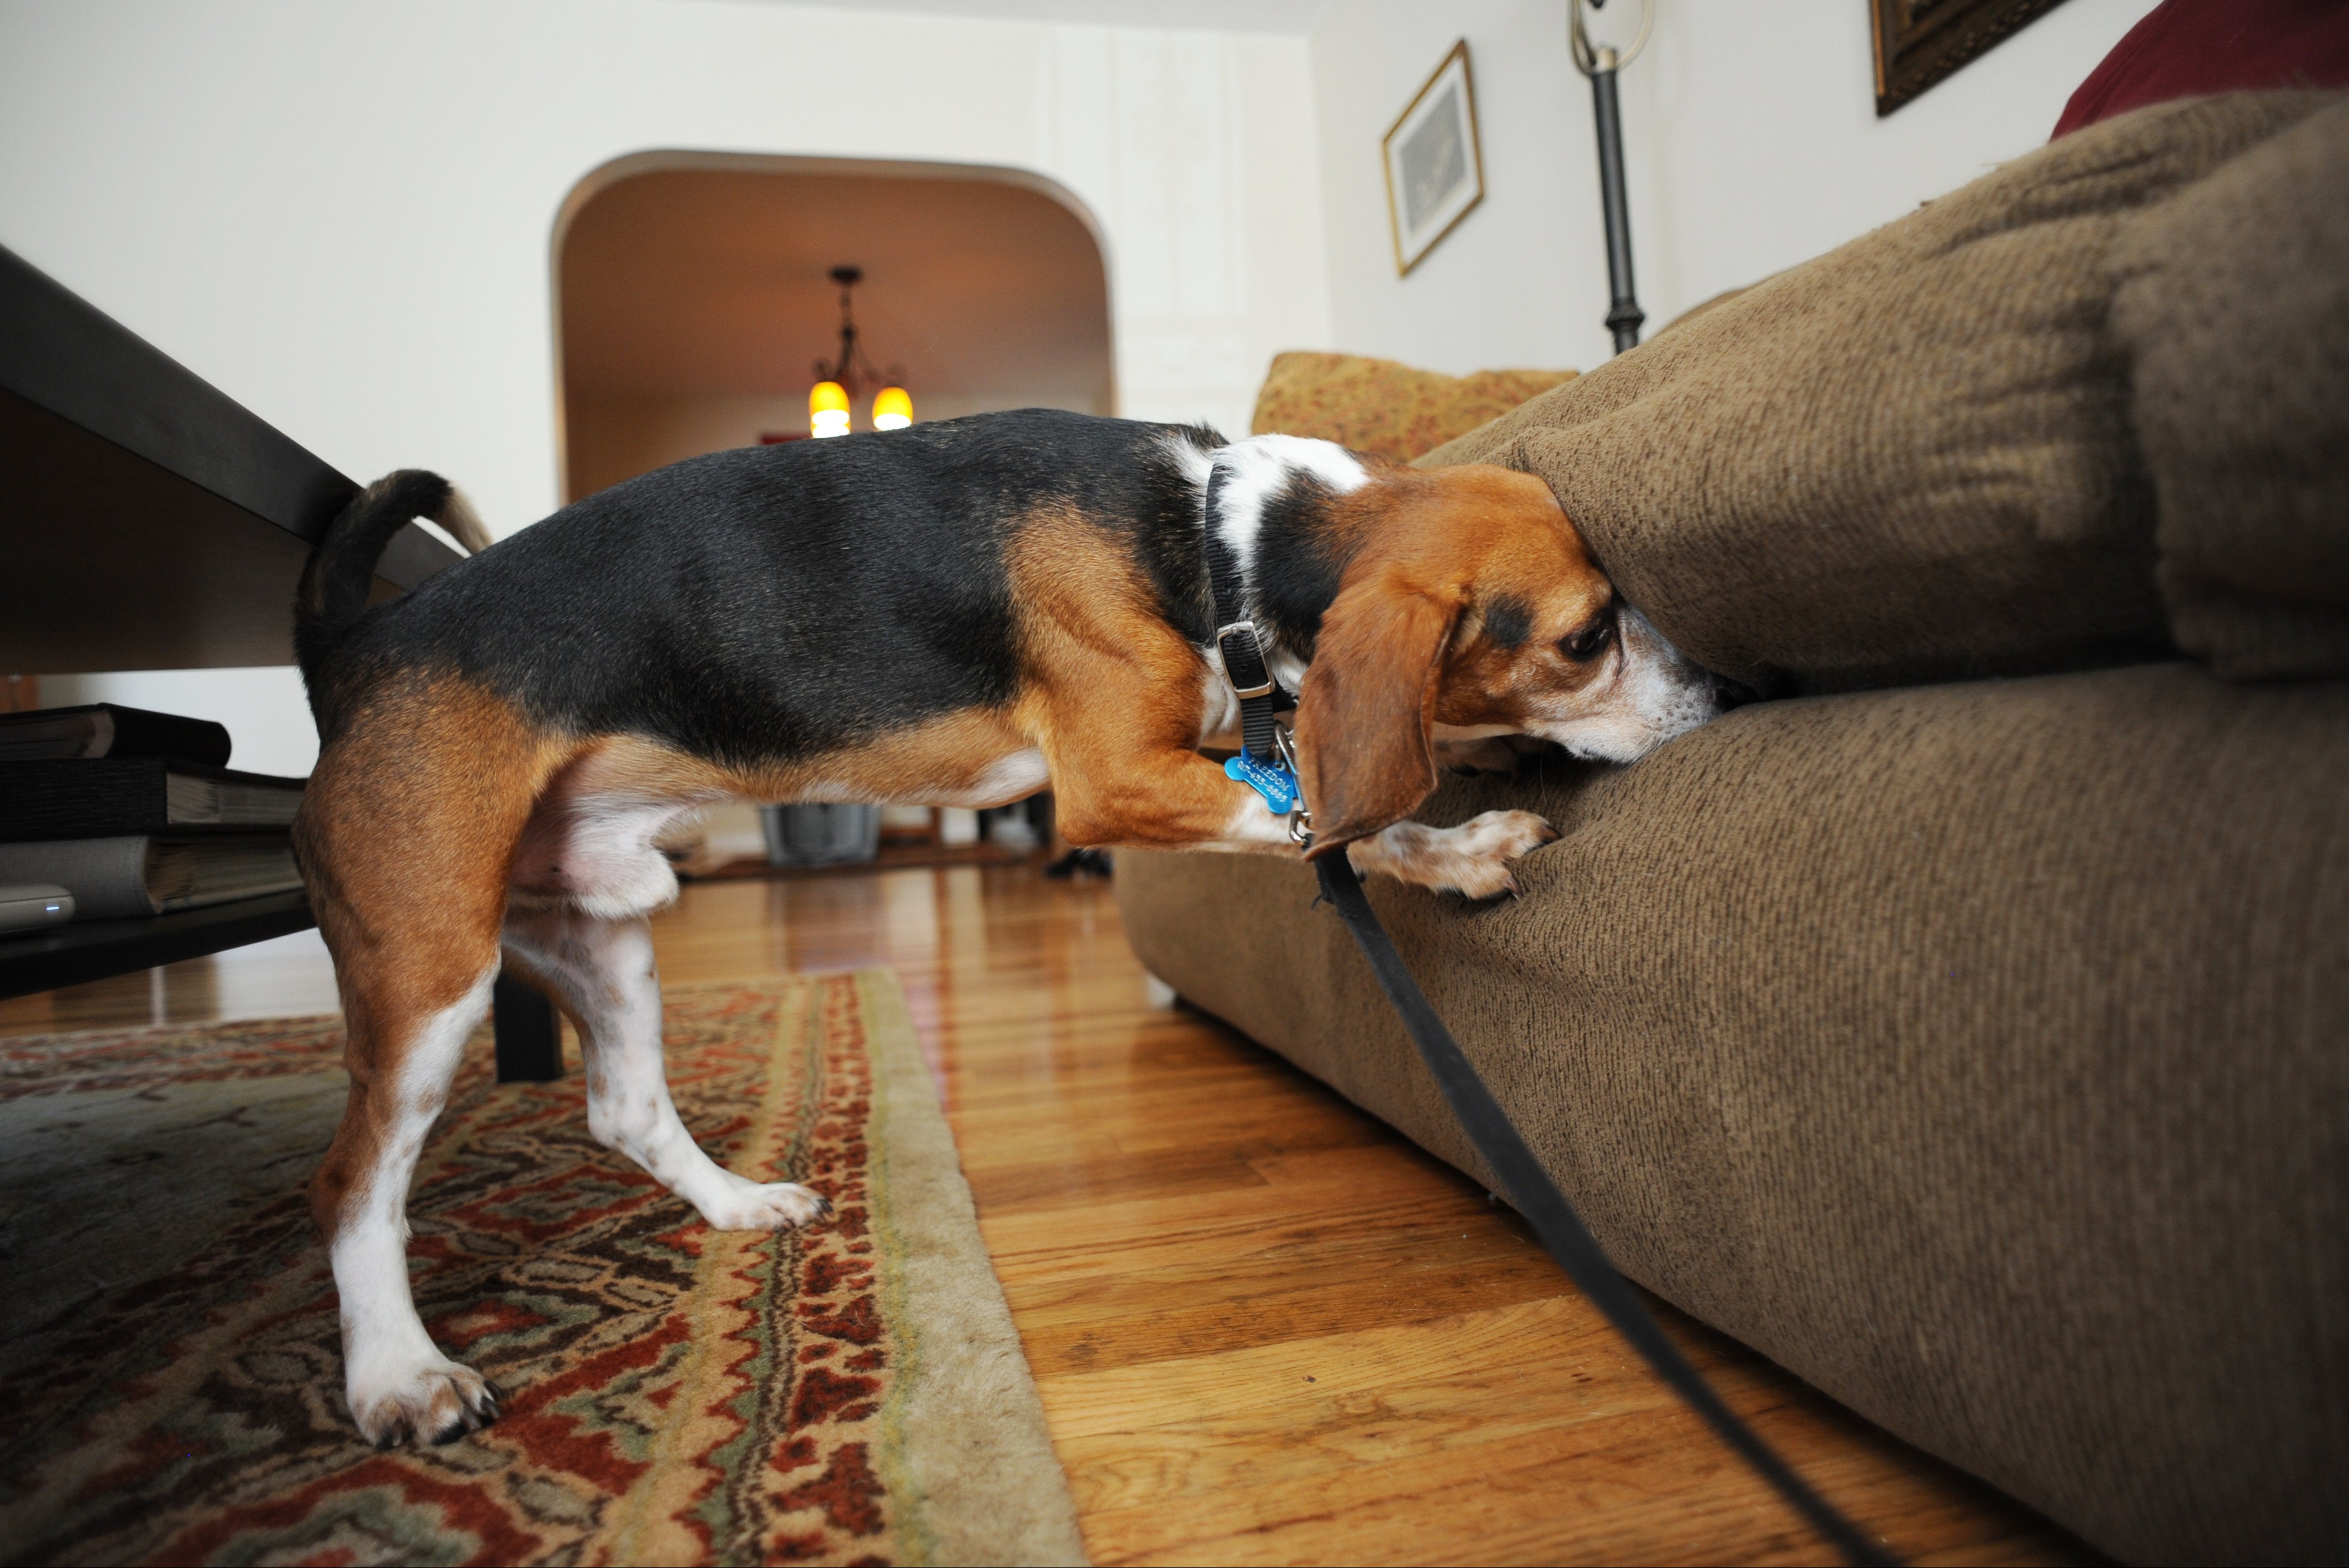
point(1245, 666)
point(1266, 763)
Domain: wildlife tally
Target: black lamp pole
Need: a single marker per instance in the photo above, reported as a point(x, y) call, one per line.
point(1600, 64)
point(846, 371)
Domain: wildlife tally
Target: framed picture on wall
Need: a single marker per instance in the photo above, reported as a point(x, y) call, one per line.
point(1918, 42)
point(1435, 169)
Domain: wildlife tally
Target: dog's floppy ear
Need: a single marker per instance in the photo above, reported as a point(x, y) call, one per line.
point(1365, 720)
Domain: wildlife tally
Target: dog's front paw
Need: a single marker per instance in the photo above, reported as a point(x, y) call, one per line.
point(764, 1206)
point(1470, 859)
point(1482, 846)
point(431, 1398)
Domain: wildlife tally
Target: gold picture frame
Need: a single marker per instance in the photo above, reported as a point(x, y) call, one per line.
point(1435, 161)
point(1920, 42)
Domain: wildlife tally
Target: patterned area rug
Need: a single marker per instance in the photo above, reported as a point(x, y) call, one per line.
point(170, 1385)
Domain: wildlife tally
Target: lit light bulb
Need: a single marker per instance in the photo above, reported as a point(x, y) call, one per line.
point(892, 410)
point(828, 408)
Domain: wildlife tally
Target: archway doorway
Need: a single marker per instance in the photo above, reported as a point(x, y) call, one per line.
point(693, 298)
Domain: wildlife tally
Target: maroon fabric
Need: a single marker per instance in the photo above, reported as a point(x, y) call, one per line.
point(2187, 47)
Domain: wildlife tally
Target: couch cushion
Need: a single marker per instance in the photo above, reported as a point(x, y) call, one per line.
point(2234, 313)
point(1380, 407)
point(1910, 459)
point(1972, 1050)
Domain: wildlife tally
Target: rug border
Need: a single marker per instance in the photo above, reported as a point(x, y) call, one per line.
point(975, 1435)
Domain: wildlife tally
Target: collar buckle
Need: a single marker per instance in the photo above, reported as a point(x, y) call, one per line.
point(1243, 657)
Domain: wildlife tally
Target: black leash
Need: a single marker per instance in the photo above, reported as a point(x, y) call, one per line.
point(1554, 1219)
point(1263, 766)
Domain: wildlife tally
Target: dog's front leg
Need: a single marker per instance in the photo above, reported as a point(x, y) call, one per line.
point(1167, 799)
point(1478, 754)
point(601, 972)
point(1182, 800)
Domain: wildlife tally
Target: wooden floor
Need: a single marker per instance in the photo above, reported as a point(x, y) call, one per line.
point(1267, 1329)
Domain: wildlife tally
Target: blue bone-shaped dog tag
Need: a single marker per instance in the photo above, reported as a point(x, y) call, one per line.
point(1273, 780)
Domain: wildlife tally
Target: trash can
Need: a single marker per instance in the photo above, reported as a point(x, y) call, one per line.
point(825, 835)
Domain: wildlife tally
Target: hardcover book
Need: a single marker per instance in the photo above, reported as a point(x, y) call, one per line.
point(107, 729)
point(141, 875)
point(110, 797)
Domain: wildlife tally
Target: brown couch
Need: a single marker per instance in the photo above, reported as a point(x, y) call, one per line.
point(1968, 1031)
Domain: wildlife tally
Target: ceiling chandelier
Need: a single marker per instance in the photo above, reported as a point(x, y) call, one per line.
point(834, 394)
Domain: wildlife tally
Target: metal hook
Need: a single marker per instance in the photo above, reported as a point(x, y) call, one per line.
point(1301, 821)
point(1590, 61)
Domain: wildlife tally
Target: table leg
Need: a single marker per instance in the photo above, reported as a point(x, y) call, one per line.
point(530, 1035)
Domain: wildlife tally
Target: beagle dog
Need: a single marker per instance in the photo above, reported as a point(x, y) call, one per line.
point(957, 614)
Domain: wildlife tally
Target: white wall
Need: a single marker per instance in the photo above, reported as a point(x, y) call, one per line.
point(1752, 143)
point(1510, 285)
point(339, 213)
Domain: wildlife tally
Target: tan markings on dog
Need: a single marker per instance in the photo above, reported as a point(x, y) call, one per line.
point(1113, 694)
point(589, 843)
point(947, 759)
point(405, 835)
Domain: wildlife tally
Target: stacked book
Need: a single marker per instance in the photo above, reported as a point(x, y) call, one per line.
point(131, 814)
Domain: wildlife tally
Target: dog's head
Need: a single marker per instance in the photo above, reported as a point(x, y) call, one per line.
point(1470, 602)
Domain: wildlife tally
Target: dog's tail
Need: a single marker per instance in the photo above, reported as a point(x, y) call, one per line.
point(335, 583)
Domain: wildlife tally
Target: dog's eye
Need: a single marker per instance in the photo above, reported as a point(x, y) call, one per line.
point(1588, 642)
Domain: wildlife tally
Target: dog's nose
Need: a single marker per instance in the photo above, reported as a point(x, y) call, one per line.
point(1728, 694)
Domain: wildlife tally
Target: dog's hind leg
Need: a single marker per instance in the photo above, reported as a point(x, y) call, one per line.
point(601, 972)
point(396, 1378)
point(404, 834)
